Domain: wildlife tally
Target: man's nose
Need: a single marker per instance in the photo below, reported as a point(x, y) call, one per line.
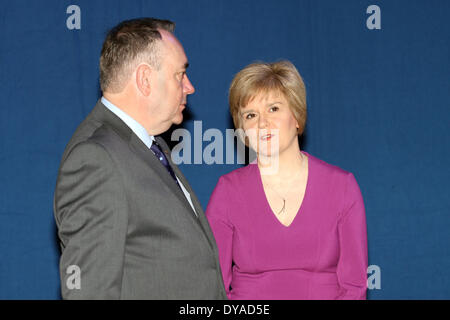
point(188, 87)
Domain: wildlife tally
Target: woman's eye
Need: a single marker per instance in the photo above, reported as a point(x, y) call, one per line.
point(274, 108)
point(249, 116)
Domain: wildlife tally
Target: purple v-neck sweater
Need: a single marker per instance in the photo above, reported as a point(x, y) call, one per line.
point(321, 255)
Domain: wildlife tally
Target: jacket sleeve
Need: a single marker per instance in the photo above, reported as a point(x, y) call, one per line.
point(91, 214)
point(217, 215)
point(353, 260)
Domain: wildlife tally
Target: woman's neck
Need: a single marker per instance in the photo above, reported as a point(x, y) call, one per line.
point(283, 165)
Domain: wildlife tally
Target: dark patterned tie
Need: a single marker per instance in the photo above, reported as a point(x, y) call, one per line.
point(162, 158)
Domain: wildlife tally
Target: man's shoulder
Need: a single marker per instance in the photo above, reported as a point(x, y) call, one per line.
point(94, 132)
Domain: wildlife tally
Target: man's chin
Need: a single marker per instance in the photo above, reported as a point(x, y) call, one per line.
point(178, 120)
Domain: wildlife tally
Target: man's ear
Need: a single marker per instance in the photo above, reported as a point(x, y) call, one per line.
point(143, 76)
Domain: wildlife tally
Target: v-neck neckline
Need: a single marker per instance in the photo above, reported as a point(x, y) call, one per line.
point(305, 196)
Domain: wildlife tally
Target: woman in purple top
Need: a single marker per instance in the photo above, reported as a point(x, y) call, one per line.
point(287, 226)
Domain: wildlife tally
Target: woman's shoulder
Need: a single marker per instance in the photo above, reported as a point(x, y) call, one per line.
point(332, 180)
point(233, 185)
point(240, 175)
point(327, 171)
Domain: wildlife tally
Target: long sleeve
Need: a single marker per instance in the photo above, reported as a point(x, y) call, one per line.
point(91, 214)
point(353, 260)
point(222, 229)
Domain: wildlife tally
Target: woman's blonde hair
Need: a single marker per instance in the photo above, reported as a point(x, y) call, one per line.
point(259, 78)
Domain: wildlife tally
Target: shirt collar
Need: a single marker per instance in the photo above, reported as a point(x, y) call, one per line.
point(135, 126)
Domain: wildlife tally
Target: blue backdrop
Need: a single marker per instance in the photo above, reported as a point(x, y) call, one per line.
point(378, 103)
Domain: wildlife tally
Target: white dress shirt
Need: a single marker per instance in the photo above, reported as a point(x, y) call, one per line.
point(142, 134)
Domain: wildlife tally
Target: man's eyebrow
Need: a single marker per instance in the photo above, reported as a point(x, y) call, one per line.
point(186, 65)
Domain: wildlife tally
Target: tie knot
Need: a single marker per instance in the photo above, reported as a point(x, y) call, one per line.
point(159, 153)
point(162, 158)
point(155, 146)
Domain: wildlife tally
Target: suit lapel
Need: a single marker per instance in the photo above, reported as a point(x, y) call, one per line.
point(181, 177)
point(154, 164)
point(198, 208)
point(141, 150)
point(102, 114)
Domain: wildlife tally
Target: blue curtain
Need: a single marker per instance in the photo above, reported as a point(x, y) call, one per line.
point(378, 106)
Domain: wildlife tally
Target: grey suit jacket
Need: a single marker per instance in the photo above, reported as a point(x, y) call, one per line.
point(124, 222)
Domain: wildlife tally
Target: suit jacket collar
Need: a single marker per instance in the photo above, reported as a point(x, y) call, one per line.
point(198, 208)
point(102, 114)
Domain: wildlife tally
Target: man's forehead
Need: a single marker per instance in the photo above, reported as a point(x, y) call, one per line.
point(168, 36)
point(171, 44)
point(170, 41)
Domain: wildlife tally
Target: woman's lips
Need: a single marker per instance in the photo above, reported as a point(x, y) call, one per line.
point(266, 137)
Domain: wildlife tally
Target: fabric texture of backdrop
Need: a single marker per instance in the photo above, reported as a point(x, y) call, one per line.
point(378, 106)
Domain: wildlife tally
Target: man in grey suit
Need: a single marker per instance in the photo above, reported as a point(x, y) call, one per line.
point(130, 225)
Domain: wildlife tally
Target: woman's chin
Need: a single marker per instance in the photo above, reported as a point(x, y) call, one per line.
point(267, 153)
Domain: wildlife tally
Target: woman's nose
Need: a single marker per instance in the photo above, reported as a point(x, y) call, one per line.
point(262, 122)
